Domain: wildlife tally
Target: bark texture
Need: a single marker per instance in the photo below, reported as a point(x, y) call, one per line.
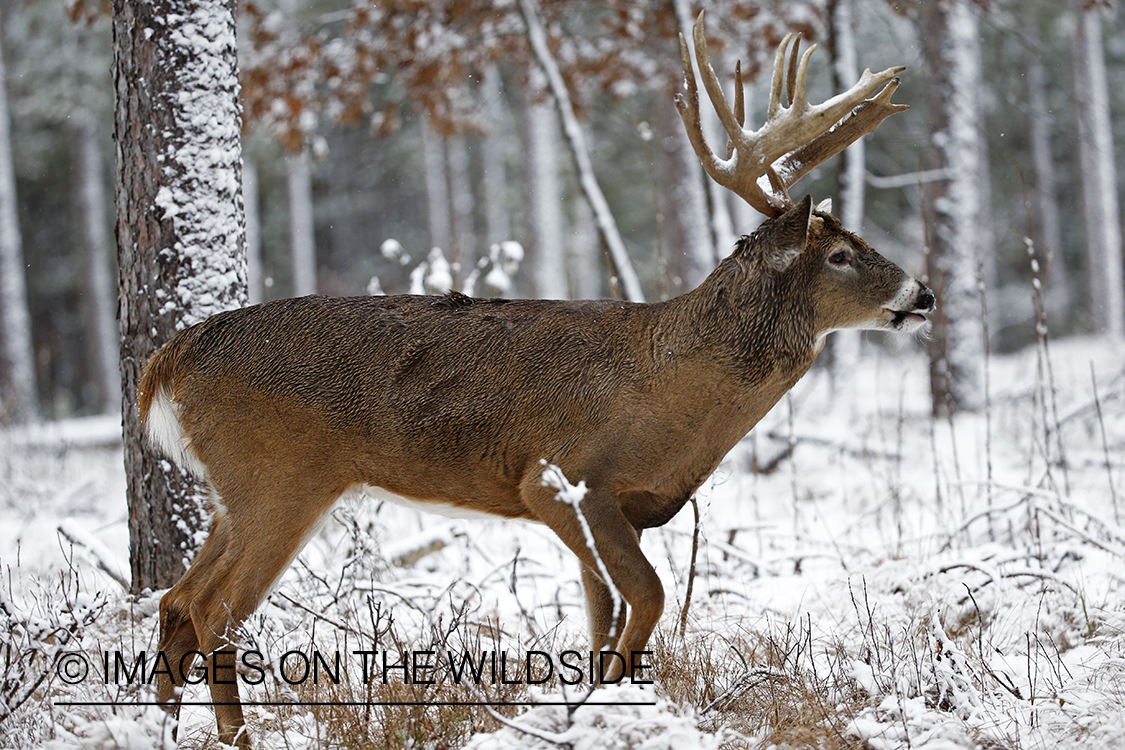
point(179, 232)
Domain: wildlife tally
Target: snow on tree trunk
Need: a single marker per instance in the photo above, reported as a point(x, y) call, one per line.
point(302, 235)
point(437, 186)
point(1099, 186)
point(951, 50)
point(179, 232)
point(253, 233)
point(19, 400)
point(99, 287)
point(1045, 205)
point(546, 199)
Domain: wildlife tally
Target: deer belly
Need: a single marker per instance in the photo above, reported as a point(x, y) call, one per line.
point(429, 506)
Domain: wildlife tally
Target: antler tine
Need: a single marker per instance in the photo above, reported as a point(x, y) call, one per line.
point(798, 98)
point(711, 84)
point(776, 87)
point(791, 76)
point(689, 112)
point(739, 104)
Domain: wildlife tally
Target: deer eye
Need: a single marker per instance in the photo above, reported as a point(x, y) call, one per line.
point(841, 258)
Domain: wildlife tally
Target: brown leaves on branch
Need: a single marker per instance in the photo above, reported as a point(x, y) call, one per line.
point(370, 63)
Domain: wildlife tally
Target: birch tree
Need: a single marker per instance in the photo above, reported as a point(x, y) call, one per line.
point(20, 402)
point(957, 241)
point(179, 231)
point(96, 248)
point(1100, 214)
point(852, 176)
point(545, 196)
point(302, 237)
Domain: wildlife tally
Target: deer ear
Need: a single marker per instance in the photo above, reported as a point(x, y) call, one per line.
point(825, 206)
point(790, 235)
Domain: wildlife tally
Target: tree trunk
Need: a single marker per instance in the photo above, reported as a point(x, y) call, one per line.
point(253, 233)
point(302, 236)
point(699, 207)
point(92, 202)
point(179, 232)
point(20, 402)
point(951, 51)
point(494, 175)
point(1099, 185)
point(462, 250)
point(585, 252)
point(852, 181)
point(545, 190)
point(1045, 203)
point(437, 187)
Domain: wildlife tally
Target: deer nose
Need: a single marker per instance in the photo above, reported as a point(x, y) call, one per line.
point(925, 300)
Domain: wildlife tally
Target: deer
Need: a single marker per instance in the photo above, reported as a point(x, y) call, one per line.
point(456, 404)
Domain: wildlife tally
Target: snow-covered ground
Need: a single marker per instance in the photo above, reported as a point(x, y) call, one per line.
point(938, 584)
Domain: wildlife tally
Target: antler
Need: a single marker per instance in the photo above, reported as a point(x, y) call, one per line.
point(794, 139)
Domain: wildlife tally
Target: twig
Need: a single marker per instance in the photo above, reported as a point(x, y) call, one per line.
point(691, 569)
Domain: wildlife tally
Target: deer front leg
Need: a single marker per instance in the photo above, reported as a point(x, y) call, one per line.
point(618, 548)
point(599, 608)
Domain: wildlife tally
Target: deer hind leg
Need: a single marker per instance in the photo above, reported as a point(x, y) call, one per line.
point(619, 549)
point(178, 635)
point(249, 546)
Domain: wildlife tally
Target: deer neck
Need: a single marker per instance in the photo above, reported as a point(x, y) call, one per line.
point(756, 333)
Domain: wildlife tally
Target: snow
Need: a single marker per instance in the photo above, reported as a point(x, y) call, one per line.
point(958, 579)
point(203, 196)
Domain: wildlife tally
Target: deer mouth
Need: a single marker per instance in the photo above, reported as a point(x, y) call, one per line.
point(905, 318)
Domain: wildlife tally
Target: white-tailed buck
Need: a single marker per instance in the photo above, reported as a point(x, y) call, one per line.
point(283, 407)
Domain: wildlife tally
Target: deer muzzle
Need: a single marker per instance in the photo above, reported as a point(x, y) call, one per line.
point(909, 309)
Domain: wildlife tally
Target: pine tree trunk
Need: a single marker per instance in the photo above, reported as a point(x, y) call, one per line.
point(179, 232)
point(20, 400)
point(1099, 185)
point(951, 51)
point(99, 287)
